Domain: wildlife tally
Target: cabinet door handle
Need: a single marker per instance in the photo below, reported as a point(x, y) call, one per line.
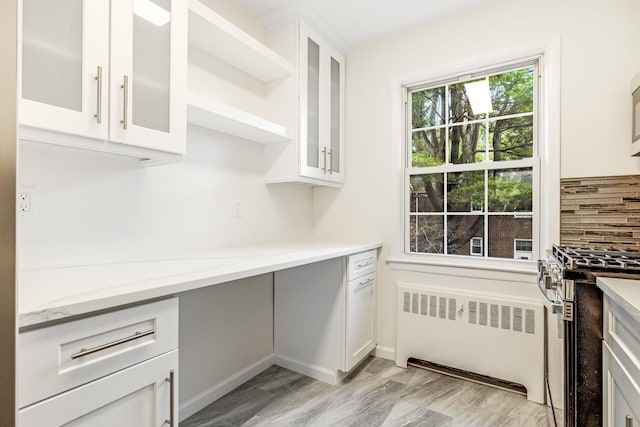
point(330, 152)
point(171, 380)
point(87, 351)
point(98, 114)
point(628, 421)
point(364, 283)
point(125, 94)
point(324, 163)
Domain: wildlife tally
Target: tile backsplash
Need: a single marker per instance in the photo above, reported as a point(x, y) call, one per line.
point(601, 211)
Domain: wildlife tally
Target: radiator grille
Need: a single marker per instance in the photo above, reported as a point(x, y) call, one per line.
point(506, 317)
point(473, 312)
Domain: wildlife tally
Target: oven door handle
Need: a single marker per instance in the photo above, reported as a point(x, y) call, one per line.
point(556, 307)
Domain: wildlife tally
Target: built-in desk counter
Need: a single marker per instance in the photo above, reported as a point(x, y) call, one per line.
point(58, 292)
point(98, 328)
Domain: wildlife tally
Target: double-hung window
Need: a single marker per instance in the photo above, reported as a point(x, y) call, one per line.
point(471, 164)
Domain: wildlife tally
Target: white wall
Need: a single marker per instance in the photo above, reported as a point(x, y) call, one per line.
point(599, 56)
point(89, 206)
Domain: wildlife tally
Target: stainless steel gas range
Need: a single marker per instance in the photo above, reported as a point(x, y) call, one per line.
point(567, 280)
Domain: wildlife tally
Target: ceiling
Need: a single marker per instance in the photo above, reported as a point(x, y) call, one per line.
point(357, 21)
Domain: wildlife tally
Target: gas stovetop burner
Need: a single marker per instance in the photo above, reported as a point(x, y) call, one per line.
point(599, 259)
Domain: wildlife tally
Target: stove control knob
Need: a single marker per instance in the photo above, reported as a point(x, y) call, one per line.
point(550, 281)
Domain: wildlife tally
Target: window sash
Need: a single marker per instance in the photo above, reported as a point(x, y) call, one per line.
point(488, 165)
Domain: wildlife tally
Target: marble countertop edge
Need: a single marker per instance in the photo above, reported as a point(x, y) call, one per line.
point(36, 309)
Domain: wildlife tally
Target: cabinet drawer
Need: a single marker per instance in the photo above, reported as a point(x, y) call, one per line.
point(361, 264)
point(621, 334)
point(59, 357)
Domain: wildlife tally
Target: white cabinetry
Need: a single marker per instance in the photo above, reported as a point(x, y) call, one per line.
point(361, 308)
point(324, 322)
point(143, 395)
point(213, 35)
point(317, 157)
point(102, 76)
point(118, 368)
point(621, 367)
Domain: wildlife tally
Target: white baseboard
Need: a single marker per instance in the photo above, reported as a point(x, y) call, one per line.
point(382, 352)
point(316, 372)
point(220, 389)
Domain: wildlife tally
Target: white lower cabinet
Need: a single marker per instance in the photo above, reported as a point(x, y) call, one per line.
point(142, 395)
point(324, 316)
point(621, 394)
point(111, 369)
point(621, 367)
point(360, 328)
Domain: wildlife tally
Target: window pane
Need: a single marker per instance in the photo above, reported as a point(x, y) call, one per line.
point(503, 230)
point(427, 147)
point(428, 108)
point(465, 191)
point(459, 105)
point(426, 234)
point(511, 139)
point(524, 245)
point(467, 143)
point(510, 190)
point(427, 193)
point(460, 230)
point(512, 92)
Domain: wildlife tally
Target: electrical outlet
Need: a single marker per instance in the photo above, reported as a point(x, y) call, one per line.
point(24, 202)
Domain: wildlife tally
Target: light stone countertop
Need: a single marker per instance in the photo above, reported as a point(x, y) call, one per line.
point(624, 292)
point(53, 293)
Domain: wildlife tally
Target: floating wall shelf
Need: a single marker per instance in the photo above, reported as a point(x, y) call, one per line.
point(217, 36)
point(214, 115)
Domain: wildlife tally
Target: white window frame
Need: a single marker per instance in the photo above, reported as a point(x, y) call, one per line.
point(486, 166)
point(472, 246)
point(515, 245)
point(549, 155)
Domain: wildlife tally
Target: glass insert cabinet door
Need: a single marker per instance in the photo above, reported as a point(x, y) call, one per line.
point(148, 73)
point(321, 108)
point(64, 64)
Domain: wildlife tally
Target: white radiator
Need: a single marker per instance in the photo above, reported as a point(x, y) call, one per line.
point(484, 334)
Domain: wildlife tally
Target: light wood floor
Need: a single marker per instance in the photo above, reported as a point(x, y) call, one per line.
point(377, 394)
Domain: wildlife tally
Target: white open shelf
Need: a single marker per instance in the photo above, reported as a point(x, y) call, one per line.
point(211, 114)
point(219, 37)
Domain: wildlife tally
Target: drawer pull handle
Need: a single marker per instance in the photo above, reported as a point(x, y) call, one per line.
point(363, 284)
point(628, 422)
point(87, 351)
point(171, 381)
point(364, 264)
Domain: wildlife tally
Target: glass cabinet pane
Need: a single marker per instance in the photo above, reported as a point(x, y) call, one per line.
point(52, 52)
point(313, 103)
point(151, 56)
point(335, 115)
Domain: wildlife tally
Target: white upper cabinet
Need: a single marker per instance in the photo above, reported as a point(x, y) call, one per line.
point(321, 108)
point(65, 66)
point(148, 73)
point(317, 113)
point(77, 56)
